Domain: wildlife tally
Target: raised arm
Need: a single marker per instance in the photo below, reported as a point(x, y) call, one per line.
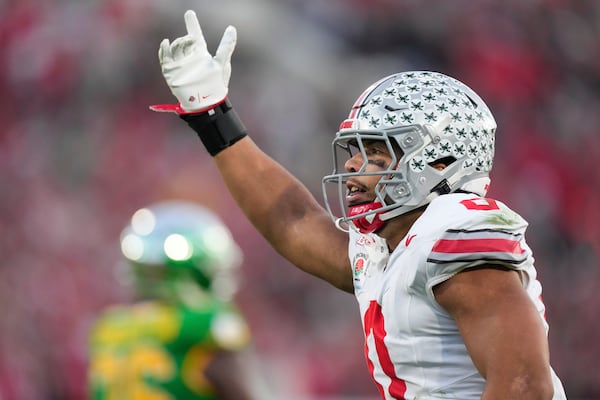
point(279, 206)
point(286, 213)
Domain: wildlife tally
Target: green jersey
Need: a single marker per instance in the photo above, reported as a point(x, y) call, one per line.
point(157, 351)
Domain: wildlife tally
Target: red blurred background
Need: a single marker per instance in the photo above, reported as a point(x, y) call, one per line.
point(80, 151)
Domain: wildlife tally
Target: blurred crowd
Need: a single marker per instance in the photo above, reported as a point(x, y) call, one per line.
point(80, 151)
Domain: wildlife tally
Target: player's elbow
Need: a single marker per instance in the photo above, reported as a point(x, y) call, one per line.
point(532, 387)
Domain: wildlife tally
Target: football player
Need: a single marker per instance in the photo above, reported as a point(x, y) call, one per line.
point(183, 338)
point(445, 282)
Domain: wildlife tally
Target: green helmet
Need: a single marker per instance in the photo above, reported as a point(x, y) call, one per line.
point(177, 251)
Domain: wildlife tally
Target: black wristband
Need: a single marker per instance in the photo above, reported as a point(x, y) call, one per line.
point(218, 128)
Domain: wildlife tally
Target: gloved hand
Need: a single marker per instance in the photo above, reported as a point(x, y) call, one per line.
point(197, 79)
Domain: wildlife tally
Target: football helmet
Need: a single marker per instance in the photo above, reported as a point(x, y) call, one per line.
point(423, 117)
point(177, 250)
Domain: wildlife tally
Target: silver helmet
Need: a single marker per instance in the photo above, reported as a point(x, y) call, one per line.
point(423, 117)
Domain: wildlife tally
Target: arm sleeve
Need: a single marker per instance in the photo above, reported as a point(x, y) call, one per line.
point(477, 237)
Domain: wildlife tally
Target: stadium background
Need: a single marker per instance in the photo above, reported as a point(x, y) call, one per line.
point(80, 151)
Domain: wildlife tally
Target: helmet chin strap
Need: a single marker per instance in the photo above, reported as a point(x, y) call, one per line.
point(369, 223)
point(373, 222)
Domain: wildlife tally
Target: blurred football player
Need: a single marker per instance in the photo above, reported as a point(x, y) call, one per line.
point(445, 282)
point(183, 338)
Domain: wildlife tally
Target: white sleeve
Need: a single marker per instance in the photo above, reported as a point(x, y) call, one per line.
point(476, 237)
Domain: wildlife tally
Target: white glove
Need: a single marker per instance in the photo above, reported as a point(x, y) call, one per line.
point(197, 79)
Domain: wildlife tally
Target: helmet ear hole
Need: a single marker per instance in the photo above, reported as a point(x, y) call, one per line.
point(445, 161)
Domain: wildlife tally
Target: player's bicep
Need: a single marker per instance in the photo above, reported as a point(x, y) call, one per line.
point(500, 326)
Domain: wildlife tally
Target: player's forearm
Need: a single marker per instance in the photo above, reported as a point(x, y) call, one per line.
point(285, 213)
point(270, 196)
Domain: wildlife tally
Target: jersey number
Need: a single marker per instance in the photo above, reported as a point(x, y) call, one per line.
point(375, 327)
point(125, 378)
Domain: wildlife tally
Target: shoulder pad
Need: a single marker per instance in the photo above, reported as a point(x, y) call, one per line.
point(479, 229)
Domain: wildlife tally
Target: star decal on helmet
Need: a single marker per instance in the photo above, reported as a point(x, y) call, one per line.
point(390, 119)
point(429, 97)
point(459, 150)
point(389, 92)
point(374, 122)
point(376, 101)
point(430, 117)
point(416, 106)
point(430, 153)
point(402, 98)
point(445, 147)
point(417, 164)
point(407, 118)
point(441, 107)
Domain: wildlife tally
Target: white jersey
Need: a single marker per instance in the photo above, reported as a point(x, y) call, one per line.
point(413, 346)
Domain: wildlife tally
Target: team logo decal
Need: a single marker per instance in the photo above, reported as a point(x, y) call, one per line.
point(359, 264)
